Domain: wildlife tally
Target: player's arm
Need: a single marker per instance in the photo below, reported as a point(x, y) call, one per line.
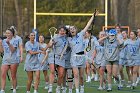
point(90, 21)
point(94, 54)
point(102, 39)
point(11, 47)
point(46, 56)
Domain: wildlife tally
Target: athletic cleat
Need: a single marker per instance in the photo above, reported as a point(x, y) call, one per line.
point(129, 84)
point(14, 90)
point(138, 79)
point(50, 89)
point(104, 86)
point(100, 88)
point(35, 92)
point(64, 90)
point(57, 90)
point(70, 90)
point(82, 89)
point(123, 83)
point(88, 80)
point(46, 87)
point(96, 77)
point(109, 89)
point(92, 77)
point(28, 92)
point(115, 82)
point(119, 87)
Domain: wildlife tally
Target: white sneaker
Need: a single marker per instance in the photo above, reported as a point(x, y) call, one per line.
point(35, 91)
point(46, 86)
point(129, 84)
point(88, 79)
point(57, 90)
point(92, 77)
point(138, 79)
point(104, 86)
point(77, 91)
point(28, 92)
point(64, 90)
point(70, 90)
point(100, 88)
point(82, 89)
point(96, 77)
point(50, 89)
point(11, 88)
point(115, 82)
point(109, 89)
point(14, 90)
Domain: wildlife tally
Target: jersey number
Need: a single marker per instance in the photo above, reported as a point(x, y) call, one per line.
point(110, 50)
point(133, 49)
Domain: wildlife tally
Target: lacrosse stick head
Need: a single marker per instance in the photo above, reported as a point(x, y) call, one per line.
point(52, 31)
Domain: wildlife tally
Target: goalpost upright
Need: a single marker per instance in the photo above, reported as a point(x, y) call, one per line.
point(70, 14)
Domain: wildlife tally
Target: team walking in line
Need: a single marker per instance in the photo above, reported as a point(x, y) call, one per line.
point(71, 53)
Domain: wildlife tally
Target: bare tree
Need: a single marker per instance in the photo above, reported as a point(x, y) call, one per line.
point(18, 17)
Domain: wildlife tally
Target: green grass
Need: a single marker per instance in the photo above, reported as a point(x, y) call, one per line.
point(89, 87)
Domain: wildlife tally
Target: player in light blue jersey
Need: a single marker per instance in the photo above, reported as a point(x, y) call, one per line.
point(123, 62)
point(20, 44)
point(90, 43)
point(19, 48)
point(68, 73)
point(32, 64)
point(119, 32)
point(76, 42)
point(41, 56)
point(132, 55)
point(111, 54)
point(99, 60)
point(55, 62)
point(9, 62)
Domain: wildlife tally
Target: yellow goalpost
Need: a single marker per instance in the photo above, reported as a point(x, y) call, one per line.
point(70, 14)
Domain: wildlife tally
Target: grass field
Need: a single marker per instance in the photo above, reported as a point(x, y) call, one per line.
point(89, 87)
